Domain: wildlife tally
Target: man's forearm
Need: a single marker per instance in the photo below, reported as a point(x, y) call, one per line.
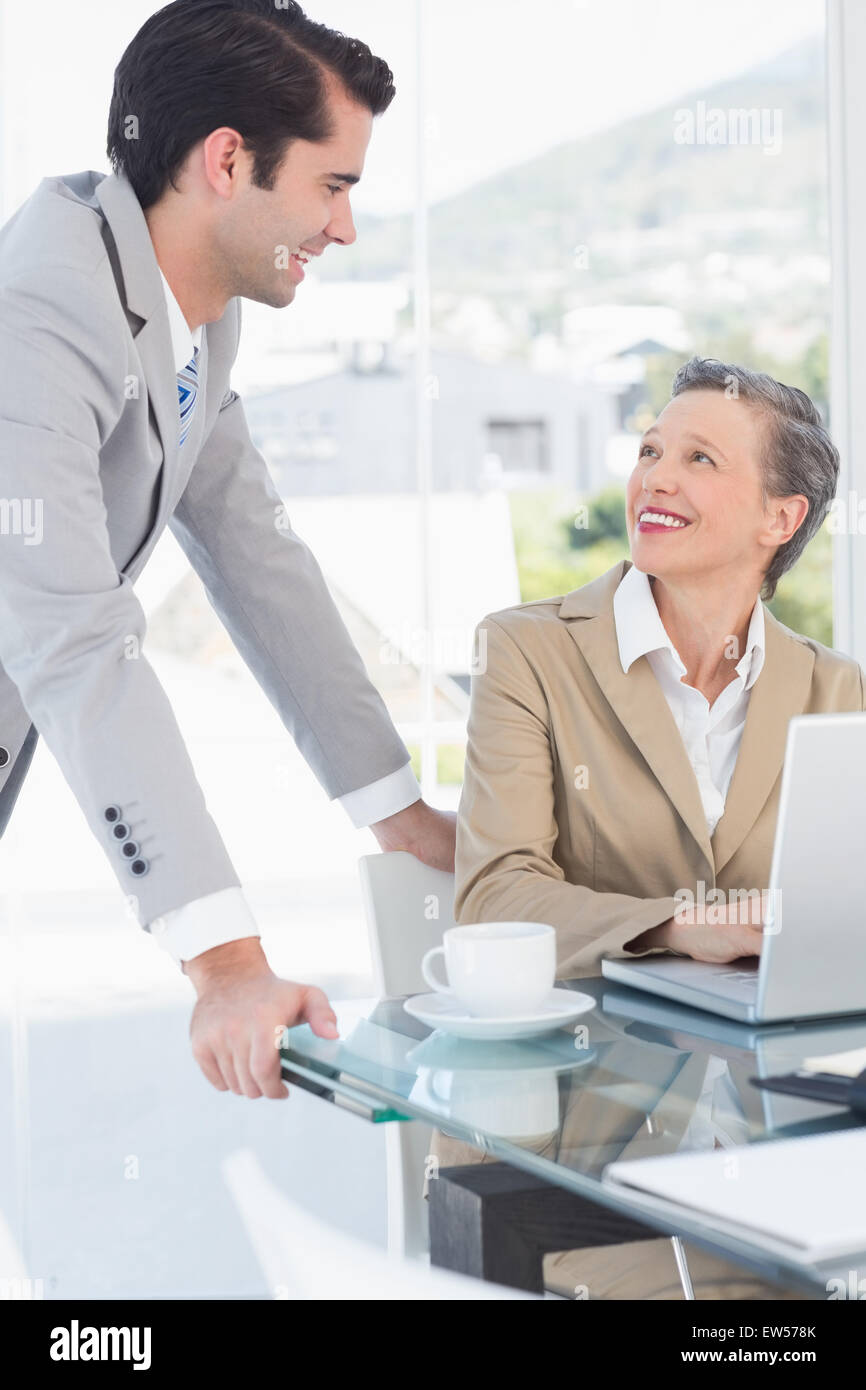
point(223, 964)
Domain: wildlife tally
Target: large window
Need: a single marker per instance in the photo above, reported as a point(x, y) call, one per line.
point(563, 203)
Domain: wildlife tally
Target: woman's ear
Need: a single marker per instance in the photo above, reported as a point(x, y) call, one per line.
point(785, 516)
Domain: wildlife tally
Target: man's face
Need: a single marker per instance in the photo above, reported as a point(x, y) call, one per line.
point(307, 210)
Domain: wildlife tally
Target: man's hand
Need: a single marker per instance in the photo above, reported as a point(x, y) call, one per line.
point(241, 1011)
point(422, 830)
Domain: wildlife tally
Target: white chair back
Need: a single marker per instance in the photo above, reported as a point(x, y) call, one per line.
point(408, 907)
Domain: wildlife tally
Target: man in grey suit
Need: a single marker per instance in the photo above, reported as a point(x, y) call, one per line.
point(236, 131)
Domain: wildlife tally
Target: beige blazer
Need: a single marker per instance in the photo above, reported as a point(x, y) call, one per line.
point(580, 806)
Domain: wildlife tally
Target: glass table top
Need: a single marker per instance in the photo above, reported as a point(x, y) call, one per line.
point(635, 1077)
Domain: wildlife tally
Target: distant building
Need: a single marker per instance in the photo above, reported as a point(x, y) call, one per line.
point(597, 333)
point(608, 345)
point(499, 425)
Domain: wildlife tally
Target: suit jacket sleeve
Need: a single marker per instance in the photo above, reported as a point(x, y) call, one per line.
point(507, 829)
point(268, 590)
point(71, 627)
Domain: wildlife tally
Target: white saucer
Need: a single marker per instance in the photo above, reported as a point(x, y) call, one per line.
point(442, 1011)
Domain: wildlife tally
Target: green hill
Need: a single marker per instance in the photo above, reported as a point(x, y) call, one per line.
point(630, 194)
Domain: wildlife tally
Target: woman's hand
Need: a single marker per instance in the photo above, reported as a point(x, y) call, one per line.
point(716, 934)
point(724, 942)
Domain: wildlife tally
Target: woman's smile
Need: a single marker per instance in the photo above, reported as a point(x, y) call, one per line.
point(657, 520)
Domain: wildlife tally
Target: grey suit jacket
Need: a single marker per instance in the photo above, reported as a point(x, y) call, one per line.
point(90, 475)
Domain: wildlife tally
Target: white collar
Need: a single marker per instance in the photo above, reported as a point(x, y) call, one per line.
point(183, 340)
point(640, 630)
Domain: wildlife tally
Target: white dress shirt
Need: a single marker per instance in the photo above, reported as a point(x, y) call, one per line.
point(711, 733)
point(226, 916)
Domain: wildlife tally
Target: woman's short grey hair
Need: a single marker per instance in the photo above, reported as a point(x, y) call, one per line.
point(799, 455)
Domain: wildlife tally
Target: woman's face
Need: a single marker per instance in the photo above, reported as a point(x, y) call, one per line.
point(700, 463)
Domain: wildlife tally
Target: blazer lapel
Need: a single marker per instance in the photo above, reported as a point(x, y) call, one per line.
point(134, 253)
point(780, 692)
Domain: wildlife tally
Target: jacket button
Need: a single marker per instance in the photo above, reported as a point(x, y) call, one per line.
point(121, 830)
point(111, 814)
point(4, 756)
point(139, 867)
point(129, 849)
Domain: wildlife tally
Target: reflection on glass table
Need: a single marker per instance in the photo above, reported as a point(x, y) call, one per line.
point(636, 1077)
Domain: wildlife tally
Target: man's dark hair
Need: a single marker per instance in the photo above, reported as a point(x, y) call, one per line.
point(259, 66)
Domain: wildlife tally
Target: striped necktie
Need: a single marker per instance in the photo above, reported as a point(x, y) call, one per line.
point(187, 390)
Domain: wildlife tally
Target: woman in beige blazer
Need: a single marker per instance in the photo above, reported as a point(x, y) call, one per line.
point(580, 804)
point(583, 805)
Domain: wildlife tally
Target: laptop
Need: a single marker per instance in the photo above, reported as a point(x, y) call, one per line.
point(813, 956)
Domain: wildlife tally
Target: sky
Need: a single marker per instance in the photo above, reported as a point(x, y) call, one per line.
point(504, 80)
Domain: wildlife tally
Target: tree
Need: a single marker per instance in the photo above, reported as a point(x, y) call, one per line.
point(602, 519)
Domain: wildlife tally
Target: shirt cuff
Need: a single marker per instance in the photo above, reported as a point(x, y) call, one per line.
point(198, 926)
point(381, 799)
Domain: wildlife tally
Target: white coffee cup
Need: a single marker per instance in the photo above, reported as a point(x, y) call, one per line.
point(496, 969)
